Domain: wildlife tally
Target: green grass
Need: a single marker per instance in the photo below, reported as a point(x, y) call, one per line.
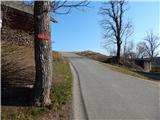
point(62, 89)
point(61, 93)
point(35, 111)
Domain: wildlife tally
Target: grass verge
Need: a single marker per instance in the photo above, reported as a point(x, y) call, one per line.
point(128, 71)
point(153, 75)
point(124, 70)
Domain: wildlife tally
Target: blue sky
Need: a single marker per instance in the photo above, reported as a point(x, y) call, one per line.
point(80, 30)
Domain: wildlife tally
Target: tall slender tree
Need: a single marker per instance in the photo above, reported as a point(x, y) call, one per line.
point(113, 23)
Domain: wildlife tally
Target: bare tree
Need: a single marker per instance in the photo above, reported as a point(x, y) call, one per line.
point(65, 7)
point(113, 23)
point(151, 44)
point(141, 51)
point(112, 52)
point(129, 53)
point(42, 43)
point(128, 45)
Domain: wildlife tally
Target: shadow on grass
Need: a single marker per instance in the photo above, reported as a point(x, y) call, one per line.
point(16, 87)
point(16, 84)
point(152, 76)
point(17, 75)
point(16, 96)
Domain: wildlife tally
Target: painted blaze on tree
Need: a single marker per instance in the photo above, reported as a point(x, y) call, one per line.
point(43, 53)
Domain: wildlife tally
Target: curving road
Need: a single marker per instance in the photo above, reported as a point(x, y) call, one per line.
point(103, 94)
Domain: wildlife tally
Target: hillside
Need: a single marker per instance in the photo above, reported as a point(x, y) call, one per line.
point(94, 55)
point(127, 67)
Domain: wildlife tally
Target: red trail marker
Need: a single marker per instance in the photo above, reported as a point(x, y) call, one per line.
point(42, 36)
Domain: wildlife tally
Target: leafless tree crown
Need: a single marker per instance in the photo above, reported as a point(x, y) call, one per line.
point(63, 7)
point(151, 44)
point(115, 29)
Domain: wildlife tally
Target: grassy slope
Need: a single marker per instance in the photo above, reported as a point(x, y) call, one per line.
point(122, 69)
point(93, 55)
point(61, 91)
point(149, 76)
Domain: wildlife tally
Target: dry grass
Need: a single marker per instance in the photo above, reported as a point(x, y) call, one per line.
point(125, 70)
point(128, 71)
point(132, 70)
point(17, 64)
point(18, 70)
point(93, 55)
point(156, 68)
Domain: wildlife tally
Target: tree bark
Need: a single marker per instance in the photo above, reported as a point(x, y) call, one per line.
point(43, 53)
point(118, 53)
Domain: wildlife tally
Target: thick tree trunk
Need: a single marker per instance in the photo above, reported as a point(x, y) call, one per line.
point(43, 53)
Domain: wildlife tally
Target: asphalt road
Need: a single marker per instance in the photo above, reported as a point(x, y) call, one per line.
point(110, 95)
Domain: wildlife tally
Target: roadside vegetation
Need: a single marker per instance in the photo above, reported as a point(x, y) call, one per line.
point(144, 75)
point(155, 68)
point(17, 81)
point(153, 75)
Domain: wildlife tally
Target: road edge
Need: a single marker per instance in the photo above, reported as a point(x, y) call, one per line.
point(79, 110)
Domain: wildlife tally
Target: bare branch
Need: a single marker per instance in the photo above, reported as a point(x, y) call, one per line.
point(64, 7)
point(114, 27)
point(152, 42)
point(141, 50)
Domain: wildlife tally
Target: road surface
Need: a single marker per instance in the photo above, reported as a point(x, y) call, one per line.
point(110, 95)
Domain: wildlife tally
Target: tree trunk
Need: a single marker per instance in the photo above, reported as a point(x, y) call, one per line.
point(43, 53)
point(118, 53)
